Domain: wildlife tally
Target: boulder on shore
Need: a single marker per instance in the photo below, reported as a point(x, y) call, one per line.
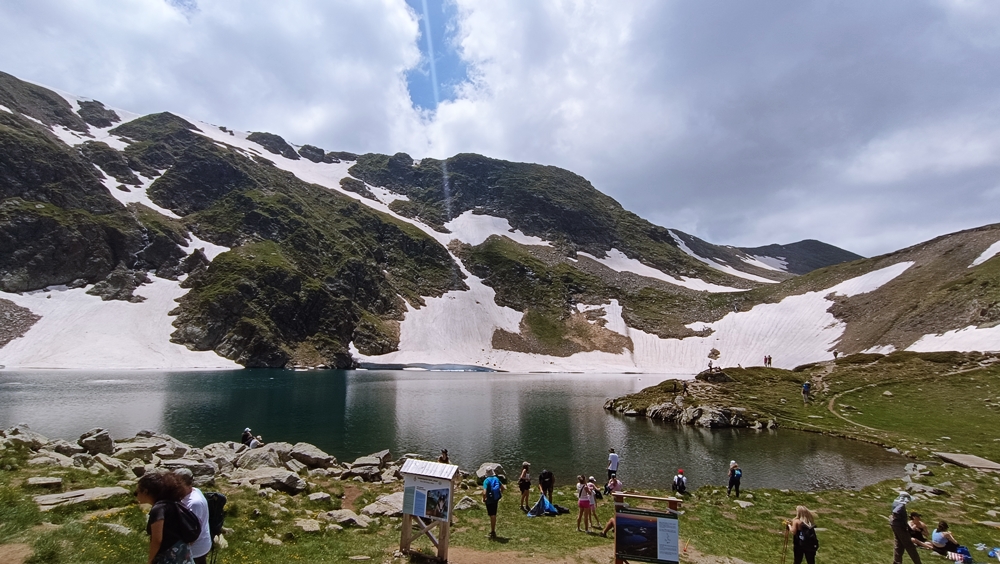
point(312, 456)
point(51, 501)
point(97, 441)
point(497, 469)
point(389, 505)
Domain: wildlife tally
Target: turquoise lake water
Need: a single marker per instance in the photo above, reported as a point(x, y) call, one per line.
point(551, 420)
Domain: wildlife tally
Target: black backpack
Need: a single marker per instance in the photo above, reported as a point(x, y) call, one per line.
point(216, 512)
point(185, 522)
point(807, 537)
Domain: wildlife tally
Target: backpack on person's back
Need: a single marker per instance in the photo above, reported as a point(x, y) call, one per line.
point(185, 522)
point(737, 473)
point(216, 512)
point(807, 538)
point(492, 488)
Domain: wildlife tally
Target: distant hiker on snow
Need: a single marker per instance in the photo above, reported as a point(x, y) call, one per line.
point(735, 475)
point(680, 483)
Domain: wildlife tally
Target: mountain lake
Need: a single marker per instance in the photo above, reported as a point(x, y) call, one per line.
point(554, 421)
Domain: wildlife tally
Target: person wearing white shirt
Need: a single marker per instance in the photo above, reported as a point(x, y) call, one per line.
point(196, 502)
point(612, 463)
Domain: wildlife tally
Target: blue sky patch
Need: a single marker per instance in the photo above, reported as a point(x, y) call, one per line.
point(447, 70)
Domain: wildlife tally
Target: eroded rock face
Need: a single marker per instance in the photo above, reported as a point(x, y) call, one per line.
point(120, 284)
point(258, 458)
point(97, 441)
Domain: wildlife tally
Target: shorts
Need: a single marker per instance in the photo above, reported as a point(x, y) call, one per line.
point(524, 485)
point(491, 507)
point(583, 503)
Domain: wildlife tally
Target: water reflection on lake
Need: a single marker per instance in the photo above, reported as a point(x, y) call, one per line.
point(551, 420)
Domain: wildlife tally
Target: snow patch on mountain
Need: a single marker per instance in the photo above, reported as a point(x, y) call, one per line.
point(473, 229)
point(971, 338)
point(722, 267)
point(797, 330)
point(989, 253)
point(6, 109)
point(618, 261)
point(880, 349)
point(386, 196)
point(767, 263)
point(80, 331)
point(211, 250)
point(135, 194)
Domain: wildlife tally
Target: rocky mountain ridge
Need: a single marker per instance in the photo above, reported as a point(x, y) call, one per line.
point(283, 256)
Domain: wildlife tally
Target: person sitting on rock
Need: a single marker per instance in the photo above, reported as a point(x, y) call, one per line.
point(247, 436)
point(680, 484)
point(942, 540)
point(256, 442)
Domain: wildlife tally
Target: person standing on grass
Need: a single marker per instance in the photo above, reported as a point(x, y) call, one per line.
point(583, 503)
point(803, 531)
point(524, 484)
point(901, 531)
point(492, 492)
point(806, 386)
point(163, 491)
point(612, 462)
point(735, 475)
point(592, 490)
point(546, 482)
point(196, 502)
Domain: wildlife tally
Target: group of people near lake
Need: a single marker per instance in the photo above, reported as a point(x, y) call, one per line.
point(178, 525)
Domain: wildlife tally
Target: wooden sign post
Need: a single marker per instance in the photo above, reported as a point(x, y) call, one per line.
point(428, 502)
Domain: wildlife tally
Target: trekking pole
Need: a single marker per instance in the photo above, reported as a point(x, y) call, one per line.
point(784, 549)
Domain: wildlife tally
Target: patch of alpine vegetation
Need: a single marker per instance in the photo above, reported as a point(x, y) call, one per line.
point(543, 201)
point(40, 103)
point(14, 321)
point(94, 113)
point(111, 161)
point(57, 218)
point(356, 186)
point(274, 143)
point(310, 271)
point(548, 288)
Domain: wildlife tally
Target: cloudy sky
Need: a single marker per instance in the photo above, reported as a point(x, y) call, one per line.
point(869, 125)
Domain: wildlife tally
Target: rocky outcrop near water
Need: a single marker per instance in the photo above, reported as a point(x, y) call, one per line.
point(690, 403)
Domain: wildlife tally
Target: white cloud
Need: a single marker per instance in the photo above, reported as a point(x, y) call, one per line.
point(742, 123)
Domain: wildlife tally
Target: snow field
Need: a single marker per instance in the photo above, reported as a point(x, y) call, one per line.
point(619, 262)
point(474, 229)
point(989, 253)
point(722, 267)
point(136, 194)
point(755, 261)
point(777, 263)
point(77, 330)
point(971, 338)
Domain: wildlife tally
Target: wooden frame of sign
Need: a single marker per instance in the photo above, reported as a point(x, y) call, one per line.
point(673, 503)
point(428, 503)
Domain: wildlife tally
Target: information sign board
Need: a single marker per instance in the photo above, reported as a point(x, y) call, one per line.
point(643, 535)
point(428, 497)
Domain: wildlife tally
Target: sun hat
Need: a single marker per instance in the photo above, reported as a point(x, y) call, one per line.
point(591, 479)
point(247, 430)
point(490, 472)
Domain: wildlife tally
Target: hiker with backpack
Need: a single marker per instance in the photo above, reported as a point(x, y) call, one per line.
point(803, 531)
point(171, 526)
point(195, 501)
point(492, 492)
point(680, 483)
point(735, 475)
